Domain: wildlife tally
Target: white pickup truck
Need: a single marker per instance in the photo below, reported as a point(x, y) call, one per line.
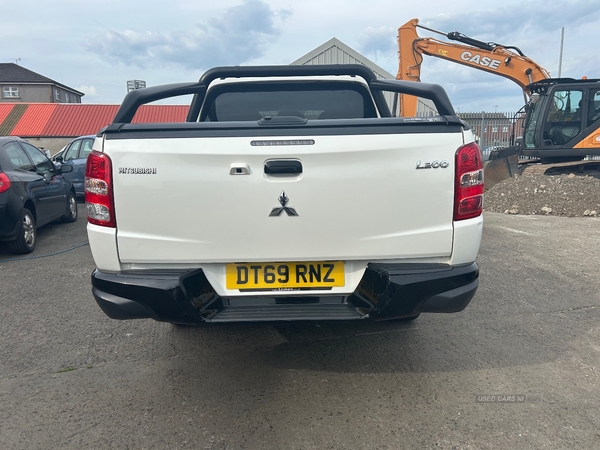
point(289, 193)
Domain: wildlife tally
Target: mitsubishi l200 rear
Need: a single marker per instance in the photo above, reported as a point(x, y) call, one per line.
point(289, 193)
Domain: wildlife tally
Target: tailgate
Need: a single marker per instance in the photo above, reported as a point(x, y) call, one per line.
point(209, 200)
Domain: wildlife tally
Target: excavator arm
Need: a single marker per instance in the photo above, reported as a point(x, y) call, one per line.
point(501, 60)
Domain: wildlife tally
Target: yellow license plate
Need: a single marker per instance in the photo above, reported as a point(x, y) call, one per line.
point(292, 275)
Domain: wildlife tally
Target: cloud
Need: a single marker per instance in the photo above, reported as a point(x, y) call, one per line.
point(375, 42)
point(508, 24)
point(240, 34)
point(87, 90)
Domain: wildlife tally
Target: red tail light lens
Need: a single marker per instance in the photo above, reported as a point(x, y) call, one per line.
point(4, 183)
point(98, 190)
point(468, 192)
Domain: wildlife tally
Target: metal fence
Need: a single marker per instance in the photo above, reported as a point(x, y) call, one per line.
point(494, 129)
point(498, 129)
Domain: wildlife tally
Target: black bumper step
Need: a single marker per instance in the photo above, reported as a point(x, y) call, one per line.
point(309, 311)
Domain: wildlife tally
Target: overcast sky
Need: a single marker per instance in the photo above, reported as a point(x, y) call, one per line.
point(95, 46)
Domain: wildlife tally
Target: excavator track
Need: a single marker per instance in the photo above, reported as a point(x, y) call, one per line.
point(547, 169)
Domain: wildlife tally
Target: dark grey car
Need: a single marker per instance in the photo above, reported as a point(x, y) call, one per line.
point(33, 192)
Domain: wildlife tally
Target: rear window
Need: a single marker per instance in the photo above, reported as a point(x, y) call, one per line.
point(254, 101)
point(14, 157)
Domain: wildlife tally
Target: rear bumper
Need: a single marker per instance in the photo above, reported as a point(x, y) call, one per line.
point(9, 215)
point(385, 292)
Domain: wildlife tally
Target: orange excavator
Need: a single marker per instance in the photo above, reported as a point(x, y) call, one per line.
point(562, 115)
point(506, 61)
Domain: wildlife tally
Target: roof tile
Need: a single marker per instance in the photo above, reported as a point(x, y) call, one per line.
point(5, 109)
point(78, 120)
point(12, 118)
point(161, 113)
point(33, 120)
point(75, 119)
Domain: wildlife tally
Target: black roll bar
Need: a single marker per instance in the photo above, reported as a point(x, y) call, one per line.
point(134, 99)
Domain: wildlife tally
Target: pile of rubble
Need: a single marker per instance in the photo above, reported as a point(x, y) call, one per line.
point(570, 194)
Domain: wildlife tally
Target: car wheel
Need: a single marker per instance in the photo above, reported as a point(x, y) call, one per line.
point(71, 215)
point(26, 235)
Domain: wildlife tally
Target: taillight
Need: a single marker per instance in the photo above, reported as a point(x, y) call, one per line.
point(468, 192)
point(99, 191)
point(4, 182)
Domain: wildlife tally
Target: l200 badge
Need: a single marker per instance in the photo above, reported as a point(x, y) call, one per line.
point(432, 164)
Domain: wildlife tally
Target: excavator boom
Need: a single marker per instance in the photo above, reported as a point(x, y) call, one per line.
point(505, 61)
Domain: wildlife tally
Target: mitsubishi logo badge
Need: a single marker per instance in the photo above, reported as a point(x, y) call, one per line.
point(283, 199)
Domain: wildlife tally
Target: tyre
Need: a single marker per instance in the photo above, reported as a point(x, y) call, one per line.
point(26, 234)
point(71, 215)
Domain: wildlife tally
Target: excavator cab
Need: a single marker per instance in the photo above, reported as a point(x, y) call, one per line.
point(563, 120)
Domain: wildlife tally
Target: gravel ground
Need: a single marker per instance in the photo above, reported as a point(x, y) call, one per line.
point(568, 194)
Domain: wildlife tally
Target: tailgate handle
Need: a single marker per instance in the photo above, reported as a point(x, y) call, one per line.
point(283, 166)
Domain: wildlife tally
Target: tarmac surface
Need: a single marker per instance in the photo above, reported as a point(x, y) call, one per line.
point(519, 368)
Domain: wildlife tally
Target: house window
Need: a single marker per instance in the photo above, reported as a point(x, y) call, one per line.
point(56, 95)
point(10, 92)
point(67, 97)
point(494, 129)
point(505, 129)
